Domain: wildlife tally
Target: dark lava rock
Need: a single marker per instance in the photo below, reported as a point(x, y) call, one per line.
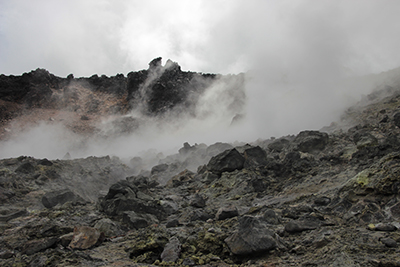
point(389, 242)
point(54, 198)
point(396, 119)
point(199, 215)
point(254, 157)
point(309, 141)
point(322, 201)
point(227, 212)
point(227, 161)
point(198, 201)
point(252, 237)
point(36, 245)
point(125, 196)
point(299, 226)
point(386, 227)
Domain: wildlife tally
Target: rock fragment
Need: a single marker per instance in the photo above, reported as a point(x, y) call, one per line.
point(85, 237)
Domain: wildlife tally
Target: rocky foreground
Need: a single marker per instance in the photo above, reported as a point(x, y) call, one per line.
point(320, 198)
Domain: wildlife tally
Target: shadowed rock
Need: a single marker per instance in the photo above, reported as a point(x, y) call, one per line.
point(54, 198)
point(226, 161)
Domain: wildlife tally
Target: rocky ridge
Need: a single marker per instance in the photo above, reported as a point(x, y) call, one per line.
point(319, 198)
point(81, 104)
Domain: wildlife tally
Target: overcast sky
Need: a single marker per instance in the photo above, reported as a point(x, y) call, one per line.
point(293, 51)
point(84, 37)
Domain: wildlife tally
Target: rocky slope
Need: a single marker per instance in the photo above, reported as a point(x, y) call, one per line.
point(320, 198)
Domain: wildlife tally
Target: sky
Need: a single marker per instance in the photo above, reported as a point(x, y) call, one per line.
point(294, 53)
point(282, 37)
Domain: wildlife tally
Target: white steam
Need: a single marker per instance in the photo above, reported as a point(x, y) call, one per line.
point(297, 56)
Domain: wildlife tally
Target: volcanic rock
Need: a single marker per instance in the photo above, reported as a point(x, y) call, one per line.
point(227, 161)
point(252, 237)
point(85, 237)
point(54, 198)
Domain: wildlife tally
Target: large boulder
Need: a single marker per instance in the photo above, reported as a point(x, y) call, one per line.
point(253, 237)
point(254, 157)
point(226, 161)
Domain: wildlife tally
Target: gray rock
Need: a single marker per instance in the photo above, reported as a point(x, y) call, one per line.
point(389, 242)
point(108, 227)
point(137, 221)
point(199, 215)
point(171, 250)
point(253, 237)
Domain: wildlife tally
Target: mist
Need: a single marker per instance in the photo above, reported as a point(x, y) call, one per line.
point(297, 57)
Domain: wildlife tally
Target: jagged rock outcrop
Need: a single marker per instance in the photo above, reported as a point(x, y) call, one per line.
point(155, 92)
